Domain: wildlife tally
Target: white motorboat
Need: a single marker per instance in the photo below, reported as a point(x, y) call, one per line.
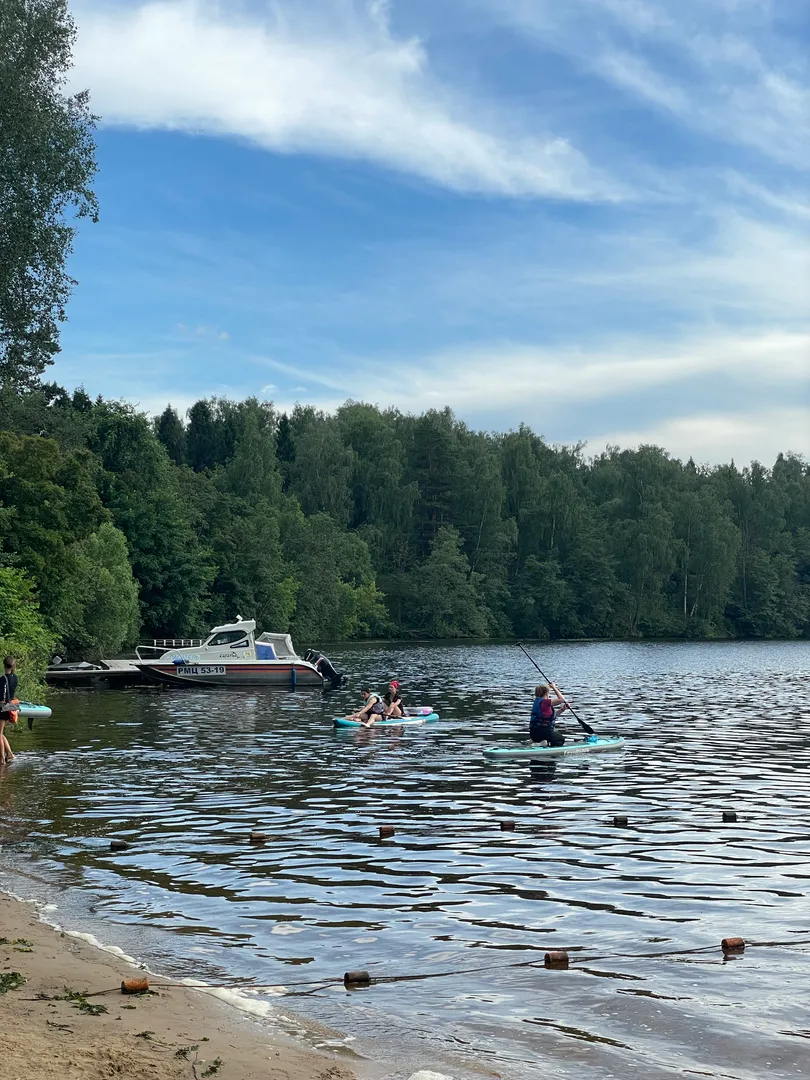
point(232, 655)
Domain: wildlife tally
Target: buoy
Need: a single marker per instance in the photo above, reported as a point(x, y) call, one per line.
point(356, 978)
point(258, 837)
point(729, 815)
point(558, 959)
point(507, 826)
point(134, 986)
point(733, 944)
point(118, 845)
point(386, 831)
point(620, 819)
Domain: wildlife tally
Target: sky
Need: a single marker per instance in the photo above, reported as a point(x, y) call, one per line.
point(589, 216)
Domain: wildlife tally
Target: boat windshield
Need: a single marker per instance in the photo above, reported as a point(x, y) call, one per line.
point(228, 637)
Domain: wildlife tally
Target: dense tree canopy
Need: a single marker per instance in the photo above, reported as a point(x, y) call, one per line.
point(376, 523)
point(47, 164)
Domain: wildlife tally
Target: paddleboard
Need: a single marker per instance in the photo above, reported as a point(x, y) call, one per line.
point(27, 708)
point(537, 753)
point(405, 721)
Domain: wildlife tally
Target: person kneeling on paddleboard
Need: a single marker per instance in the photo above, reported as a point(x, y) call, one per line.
point(544, 715)
point(373, 708)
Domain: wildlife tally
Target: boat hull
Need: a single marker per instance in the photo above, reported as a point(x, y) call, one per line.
point(232, 675)
point(539, 753)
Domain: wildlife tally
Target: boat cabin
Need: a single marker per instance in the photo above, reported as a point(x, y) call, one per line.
point(238, 641)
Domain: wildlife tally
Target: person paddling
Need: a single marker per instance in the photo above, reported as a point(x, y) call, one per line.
point(545, 711)
point(373, 708)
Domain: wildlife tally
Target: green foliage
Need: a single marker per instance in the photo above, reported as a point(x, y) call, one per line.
point(23, 632)
point(141, 490)
point(99, 612)
point(80, 1002)
point(321, 471)
point(337, 596)
point(169, 429)
point(444, 600)
point(11, 980)
point(371, 523)
point(50, 501)
point(47, 165)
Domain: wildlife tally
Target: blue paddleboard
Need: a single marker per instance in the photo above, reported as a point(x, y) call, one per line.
point(28, 708)
point(537, 753)
point(404, 721)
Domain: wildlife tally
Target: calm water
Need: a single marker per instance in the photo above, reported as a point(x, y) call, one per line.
point(185, 775)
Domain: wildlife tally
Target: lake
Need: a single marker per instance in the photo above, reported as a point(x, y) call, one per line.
point(185, 775)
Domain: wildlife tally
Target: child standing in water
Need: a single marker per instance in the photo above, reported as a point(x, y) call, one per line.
point(8, 693)
point(544, 715)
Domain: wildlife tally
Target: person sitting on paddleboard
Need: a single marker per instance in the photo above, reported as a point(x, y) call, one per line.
point(544, 714)
point(393, 701)
point(373, 708)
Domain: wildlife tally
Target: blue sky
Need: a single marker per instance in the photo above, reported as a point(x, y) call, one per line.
point(591, 216)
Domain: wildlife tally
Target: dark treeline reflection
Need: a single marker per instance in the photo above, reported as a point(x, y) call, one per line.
point(377, 523)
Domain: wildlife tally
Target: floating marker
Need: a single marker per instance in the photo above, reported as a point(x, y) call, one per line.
point(118, 845)
point(620, 819)
point(258, 837)
point(507, 826)
point(356, 978)
point(558, 959)
point(134, 986)
point(729, 815)
point(733, 944)
point(385, 832)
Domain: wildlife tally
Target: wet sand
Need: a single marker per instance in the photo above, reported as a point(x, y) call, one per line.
point(145, 1037)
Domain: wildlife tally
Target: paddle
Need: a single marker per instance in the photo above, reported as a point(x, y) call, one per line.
point(585, 727)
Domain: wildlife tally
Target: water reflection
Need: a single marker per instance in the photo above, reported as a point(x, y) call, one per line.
point(185, 776)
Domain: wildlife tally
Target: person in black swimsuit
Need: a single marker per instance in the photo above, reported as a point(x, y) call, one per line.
point(394, 706)
point(8, 693)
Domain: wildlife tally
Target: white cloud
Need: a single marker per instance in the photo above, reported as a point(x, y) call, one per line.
point(519, 379)
point(325, 77)
point(716, 438)
point(722, 67)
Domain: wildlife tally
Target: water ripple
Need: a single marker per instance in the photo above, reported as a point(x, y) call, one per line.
point(185, 776)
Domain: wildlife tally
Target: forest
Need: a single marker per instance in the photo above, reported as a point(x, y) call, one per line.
point(371, 523)
point(363, 523)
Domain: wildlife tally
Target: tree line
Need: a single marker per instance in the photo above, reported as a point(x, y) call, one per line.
point(377, 523)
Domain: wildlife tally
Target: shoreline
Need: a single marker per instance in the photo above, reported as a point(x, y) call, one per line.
point(69, 1019)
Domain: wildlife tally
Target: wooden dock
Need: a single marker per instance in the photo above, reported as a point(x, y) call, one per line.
point(104, 673)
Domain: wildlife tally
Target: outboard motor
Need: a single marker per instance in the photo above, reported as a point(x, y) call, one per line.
point(323, 665)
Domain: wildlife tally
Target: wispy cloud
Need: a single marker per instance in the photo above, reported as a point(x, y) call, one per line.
point(522, 378)
point(729, 68)
point(720, 437)
point(328, 77)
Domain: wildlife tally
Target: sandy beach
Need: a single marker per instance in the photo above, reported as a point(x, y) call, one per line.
point(60, 1022)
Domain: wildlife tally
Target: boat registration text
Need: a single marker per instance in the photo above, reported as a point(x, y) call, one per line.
point(182, 669)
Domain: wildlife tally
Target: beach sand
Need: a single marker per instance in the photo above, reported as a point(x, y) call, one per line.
point(137, 1037)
